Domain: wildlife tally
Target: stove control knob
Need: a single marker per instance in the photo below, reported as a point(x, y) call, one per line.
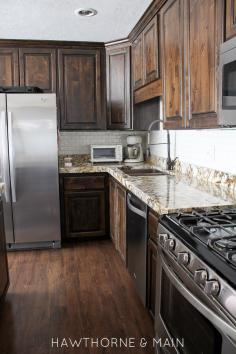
point(212, 287)
point(200, 276)
point(163, 238)
point(183, 258)
point(169, 244)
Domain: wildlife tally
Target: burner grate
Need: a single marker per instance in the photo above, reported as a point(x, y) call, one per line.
point(216, 229)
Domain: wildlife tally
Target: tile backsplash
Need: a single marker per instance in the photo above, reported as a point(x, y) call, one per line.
point(79, 142)
point(212, 148)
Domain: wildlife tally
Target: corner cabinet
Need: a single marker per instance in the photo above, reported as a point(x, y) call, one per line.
point(118, 87)
point(84, 205)
point(191, 34)
point(230, 19)
point(80, 89)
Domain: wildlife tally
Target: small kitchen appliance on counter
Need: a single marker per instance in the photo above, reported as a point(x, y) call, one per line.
point(106, 153)
point(134, 150)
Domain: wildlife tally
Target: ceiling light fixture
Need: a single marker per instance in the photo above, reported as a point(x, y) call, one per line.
point(86, 12)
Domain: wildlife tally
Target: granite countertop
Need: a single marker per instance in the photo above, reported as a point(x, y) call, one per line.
point(164, 194)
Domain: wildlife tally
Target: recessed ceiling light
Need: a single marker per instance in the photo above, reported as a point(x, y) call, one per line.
point(86, 12)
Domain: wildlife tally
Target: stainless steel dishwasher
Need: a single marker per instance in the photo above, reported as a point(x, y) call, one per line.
point(137, 243)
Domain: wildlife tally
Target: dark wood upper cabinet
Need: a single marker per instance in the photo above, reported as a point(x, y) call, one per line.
point(191, 33)
point(202, 50)
point(150, 51)
point(38, 68)
point(172, 26)
point(137, 62)
point(9, 68)
point(118, 87)
point(230, 19)
point(80, 89)
point(145, 48)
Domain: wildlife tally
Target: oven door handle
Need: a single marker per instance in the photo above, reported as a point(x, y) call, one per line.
point(218, 322)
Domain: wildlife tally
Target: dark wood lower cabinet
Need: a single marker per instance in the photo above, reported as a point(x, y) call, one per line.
point(84, 205)
point(151, 276)
point(118, 217)
point(112, 208)
point(4, 276)
point(121, 221)
point(151, 262)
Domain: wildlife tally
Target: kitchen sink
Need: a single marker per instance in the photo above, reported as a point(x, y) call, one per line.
point(141, 171)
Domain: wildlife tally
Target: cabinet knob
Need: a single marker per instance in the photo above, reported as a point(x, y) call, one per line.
point(183, 258)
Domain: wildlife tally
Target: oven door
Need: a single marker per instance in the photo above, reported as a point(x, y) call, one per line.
point(187, 320)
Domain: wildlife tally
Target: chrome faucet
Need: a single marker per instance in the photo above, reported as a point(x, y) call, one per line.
point(170, 163)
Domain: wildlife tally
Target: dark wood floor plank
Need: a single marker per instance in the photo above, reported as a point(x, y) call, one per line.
point(82, 290)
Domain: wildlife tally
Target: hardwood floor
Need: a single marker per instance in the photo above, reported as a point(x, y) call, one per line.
point(82, 290)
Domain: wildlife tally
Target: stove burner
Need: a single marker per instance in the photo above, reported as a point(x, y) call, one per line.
point(216, 229)
point(226, 244)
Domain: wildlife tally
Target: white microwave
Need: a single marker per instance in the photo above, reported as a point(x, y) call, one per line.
point(106, 153)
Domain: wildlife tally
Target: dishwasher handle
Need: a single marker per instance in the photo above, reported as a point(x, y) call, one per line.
point(134, 209)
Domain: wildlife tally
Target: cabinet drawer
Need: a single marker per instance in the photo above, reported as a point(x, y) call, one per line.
point(84, 183)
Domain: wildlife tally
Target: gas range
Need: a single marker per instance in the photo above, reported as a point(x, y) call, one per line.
point(211, 235)
point(196, 275)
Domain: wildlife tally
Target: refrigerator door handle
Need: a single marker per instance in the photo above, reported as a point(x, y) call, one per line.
point(3, 130)
point(11, 157)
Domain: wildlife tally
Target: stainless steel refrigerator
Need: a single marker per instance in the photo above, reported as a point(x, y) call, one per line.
point(29, 170)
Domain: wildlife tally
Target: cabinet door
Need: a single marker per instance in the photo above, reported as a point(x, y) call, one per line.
point(204, 35)
point(151, 277)
point(38, 68)
point(85, 214)
point(230, 19)
point(121, 221)
point(118, 88)
point(4, 278)
point(80, 89)
point(112, 204)
point(173, 61)
point(137, 62)
point(9, 70)
point(150, 51)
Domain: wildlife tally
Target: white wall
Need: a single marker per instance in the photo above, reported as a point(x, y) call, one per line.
point(214, 149)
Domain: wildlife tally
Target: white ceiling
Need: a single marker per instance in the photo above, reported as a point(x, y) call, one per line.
point(55, 19)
